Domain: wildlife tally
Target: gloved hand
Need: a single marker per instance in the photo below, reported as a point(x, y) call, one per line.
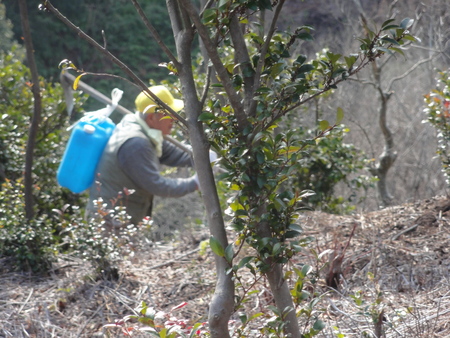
point(195, 177)
point(212, 156)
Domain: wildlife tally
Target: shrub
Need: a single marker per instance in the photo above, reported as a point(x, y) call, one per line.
point(31, 242)
point(325, 166)
point(437, 110)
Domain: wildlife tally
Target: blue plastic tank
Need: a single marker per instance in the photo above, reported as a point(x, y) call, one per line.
point(83, 152)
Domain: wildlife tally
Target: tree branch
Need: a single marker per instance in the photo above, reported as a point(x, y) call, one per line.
point(34, 125)
point(234, 97)
point(155, 34)
point(114, 59)
point(409, 71)
point(264, 49)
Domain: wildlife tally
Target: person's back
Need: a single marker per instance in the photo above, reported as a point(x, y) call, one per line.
point(128, 173)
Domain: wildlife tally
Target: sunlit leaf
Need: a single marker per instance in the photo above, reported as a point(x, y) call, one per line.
point(324, 125)
point(216, 247)
point(206, 117)
point(406, 23)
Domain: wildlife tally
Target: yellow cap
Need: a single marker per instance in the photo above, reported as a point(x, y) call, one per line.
point(145, 104)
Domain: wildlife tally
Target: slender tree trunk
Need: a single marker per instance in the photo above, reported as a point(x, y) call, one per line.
point(279, 287)
point(29, 203)
point(222, 303)
point(389, 155)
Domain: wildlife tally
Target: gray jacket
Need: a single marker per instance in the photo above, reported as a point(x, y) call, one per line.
point(129, 162)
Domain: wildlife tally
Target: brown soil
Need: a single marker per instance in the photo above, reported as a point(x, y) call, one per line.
point(401, 252)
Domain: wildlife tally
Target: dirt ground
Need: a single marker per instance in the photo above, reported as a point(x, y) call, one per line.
point(391, 267)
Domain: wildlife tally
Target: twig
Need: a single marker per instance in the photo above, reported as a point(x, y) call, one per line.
point(404, 232)
point(173, 260)
point(88, 320)
point(23, 305)
point(26, 301)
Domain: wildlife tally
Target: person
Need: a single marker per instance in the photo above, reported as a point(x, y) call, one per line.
point(128, 173)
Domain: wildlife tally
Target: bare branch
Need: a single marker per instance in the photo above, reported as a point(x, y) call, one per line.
point(265, 47)
point(114, 59)
point(155, 34)
point(409, 71)
point(234, 97)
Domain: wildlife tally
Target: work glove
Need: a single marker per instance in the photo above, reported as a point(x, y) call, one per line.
point(195, 177)
point(212, 157)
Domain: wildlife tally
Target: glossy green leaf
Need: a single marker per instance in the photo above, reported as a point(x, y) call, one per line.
point(216, 247)
point(406, 23)
point(244, 261)
point(206, 117)
point(390, 40)
point(386, 23)
point(319, 325)
point(229, 253)
point(324, 125)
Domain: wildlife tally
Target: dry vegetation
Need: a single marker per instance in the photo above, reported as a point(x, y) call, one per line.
point(401, 251)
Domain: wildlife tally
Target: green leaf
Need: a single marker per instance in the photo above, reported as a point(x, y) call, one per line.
point(398, 50)
point(410, 38)
point(216, 247)
point(406, 23)
point(260, 157)
point(324, 125)
point(244, 261)
point(306, 269)
point(390, 40)
point(206, 117)
point(295, 227)
point(300, 59)
point(229, 253)
point(194, 330)
point(350, 60)
point(209, 15)
point(319, 325)
point(339, 115)
point(387, 22)
point(333, 57)
point(276, 248)
point(389, 27)
point(223, 3)
point(305, 68)
point(260, 181)
point(306, 36)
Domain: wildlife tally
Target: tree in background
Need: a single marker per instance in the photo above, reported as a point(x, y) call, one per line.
point(386, 124)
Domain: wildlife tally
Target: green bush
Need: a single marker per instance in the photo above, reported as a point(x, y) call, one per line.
point(437, 110)
point(31, 242)
point(325, 166)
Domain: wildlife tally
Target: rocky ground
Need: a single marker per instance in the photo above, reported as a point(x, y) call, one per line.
point(390, 267)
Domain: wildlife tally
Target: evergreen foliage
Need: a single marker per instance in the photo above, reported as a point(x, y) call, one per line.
point(124, 36)
point(438, 111)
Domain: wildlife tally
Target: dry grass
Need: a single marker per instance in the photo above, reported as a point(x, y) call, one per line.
point(401, 252)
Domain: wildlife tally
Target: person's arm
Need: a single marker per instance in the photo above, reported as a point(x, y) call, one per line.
point(138, 160)
point(175, 157)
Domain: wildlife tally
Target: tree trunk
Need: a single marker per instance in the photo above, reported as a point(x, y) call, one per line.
point(279, 287)
point(222, 303)
point(29, 202)
point(389, 155)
